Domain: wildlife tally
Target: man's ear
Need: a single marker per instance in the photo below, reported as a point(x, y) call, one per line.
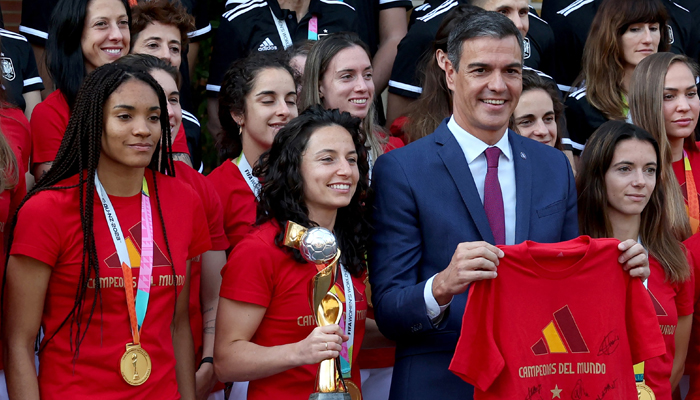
point(441, 57)
point(450, 72)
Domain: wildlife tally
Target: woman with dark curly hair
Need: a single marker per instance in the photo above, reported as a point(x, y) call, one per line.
point(257, 98)
point(315, 174)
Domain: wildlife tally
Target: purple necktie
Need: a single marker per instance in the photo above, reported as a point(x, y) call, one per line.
point(493, 199)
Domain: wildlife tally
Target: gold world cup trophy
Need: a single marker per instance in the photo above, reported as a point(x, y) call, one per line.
point(319, 246)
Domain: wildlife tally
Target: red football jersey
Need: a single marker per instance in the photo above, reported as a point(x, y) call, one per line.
point(49, 230)
point(237, 200)
point(561, 320)
point(48, 124)
point(260, 272)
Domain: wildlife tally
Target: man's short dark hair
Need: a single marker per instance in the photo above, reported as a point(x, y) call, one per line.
point(488, 24)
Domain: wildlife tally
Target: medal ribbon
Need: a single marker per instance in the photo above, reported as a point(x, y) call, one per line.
point(247, 172)
point(313, 28)
point(691, 189)
point(282, 30)
point(639, 368)
point(349, 323)
point(137, 307)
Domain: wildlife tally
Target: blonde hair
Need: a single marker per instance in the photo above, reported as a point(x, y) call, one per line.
point(646, 109)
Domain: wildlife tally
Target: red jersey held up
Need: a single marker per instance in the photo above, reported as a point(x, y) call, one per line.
point(561, 320)
point(49, 230)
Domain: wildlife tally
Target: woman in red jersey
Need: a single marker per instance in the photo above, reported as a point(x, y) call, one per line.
point(622, 196)
point(315, 174)
point(99, 255)
point(205, 271)
point(258, 97)
point(83, 35)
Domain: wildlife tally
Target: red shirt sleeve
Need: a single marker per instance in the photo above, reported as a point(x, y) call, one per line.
point(685, 294)
point(249, 273)
point(643, 332)
point(15, 127)
point(477, 358)
point(200, 230)
point(48, 125)
point(180, 143)
point(37, 234)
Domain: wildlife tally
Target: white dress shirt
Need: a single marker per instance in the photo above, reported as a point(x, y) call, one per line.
point(473, 149)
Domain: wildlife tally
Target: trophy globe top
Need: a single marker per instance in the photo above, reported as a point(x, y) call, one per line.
point(318, 245)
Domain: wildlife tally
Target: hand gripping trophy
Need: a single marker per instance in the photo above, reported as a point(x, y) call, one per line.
point(319, 246)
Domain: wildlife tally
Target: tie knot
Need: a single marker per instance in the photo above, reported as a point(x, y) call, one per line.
point(492, 154)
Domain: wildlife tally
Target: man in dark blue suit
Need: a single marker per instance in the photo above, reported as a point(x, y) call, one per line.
point(444, 201)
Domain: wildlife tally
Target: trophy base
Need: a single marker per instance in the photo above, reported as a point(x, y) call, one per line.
point(330, 396)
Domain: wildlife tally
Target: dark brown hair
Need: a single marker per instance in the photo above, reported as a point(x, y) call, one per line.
point(166, 12)
point(655, 228)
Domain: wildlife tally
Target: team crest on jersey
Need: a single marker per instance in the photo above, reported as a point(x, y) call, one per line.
point(8, 69)
point(670, 34)
point(133, 247)
point(561, 335)
point(526, 48)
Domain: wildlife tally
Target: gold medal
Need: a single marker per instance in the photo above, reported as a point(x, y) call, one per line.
point(644, 392)
point(354, 391)
point(135, 365)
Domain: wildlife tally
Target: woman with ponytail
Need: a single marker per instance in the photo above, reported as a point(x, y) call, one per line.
point(99, 255)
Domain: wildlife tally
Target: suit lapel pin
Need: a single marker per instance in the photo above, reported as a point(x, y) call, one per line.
point(523, 156)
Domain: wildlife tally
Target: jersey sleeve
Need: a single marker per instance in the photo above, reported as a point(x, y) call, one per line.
point(226, 49)
point(477, 358)
point(581, 120)
point(685, 293)
point(249, 273)
point(180, 142)
point(643, 332)
point(386, 4)
point(405, 80)
point(200, 12)
point(215, 217)
point(48, 125)
point(200, 230)
point(15, 127)
point(30, 73)
point(37, 234)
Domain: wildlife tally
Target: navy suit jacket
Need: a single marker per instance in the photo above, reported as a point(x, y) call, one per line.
point(425, 204)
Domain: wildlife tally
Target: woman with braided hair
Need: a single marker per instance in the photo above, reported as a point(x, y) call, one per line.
point(95, 259)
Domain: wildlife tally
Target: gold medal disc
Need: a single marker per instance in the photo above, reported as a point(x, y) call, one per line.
point(354, 391)
point(644, 392)
point(135, 365)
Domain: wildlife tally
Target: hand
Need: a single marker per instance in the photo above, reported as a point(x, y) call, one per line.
point(205, 380)
point(634, 259)
point(323, 343)
point(471, 261)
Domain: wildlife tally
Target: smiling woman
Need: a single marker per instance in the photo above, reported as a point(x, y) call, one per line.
point(104, 208)
point(620, 178)
point(84, 34)
point(315, 174)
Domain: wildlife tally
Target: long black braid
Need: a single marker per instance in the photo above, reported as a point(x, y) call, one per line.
point(79, 154)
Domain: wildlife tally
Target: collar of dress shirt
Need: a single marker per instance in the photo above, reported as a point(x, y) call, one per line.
point(472, 146)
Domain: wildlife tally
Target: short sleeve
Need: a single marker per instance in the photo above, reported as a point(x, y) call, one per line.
point(200, 12)
point(581, 119)
point(30, 74)
point(15, 127)
point(215, 216)
point(405, 80)
point(685, 293)
point(48, 125)
point(200, 242)
point(643, 333)
point(249, 273)
point(36, 234)
point(226, 49)
point(180, 143)
point(386, 4)
point(477, 358)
